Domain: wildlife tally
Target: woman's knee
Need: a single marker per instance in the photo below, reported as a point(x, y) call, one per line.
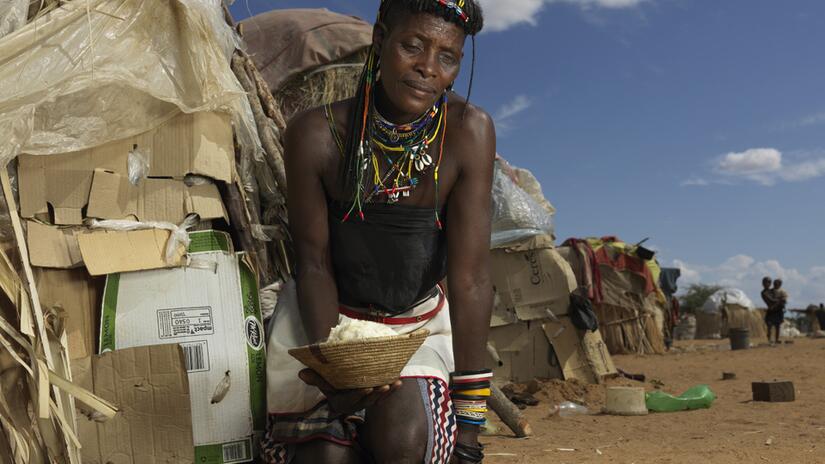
point(402, 447)
point(396, 431)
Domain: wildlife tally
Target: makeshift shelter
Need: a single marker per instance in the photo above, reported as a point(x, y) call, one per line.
point(729, 308)
point(308, 57)
point(126, 125)
point(531, 331)
point(623, 287)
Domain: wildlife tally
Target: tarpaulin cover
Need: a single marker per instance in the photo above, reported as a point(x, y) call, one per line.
point(95, 71)
point(284, 43)
point(731, 296)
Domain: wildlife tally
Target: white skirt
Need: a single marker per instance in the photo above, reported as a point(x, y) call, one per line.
point(288, 394)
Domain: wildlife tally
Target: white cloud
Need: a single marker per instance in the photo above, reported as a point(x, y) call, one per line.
point(500, 15)
point(509, 110)
point(514, 107)
point(766, 166)
point(695, 182)
point(745, 272)
point(753, 161)
point(812, 120)
point(804, 171)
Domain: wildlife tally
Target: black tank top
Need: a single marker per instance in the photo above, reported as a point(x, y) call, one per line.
point(389, 261)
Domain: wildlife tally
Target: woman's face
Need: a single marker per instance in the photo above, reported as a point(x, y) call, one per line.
point(420, 57)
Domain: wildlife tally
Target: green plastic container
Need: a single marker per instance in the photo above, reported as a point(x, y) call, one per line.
point(698, 397)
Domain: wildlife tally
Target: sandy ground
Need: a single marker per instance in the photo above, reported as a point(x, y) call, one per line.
point(734, 430)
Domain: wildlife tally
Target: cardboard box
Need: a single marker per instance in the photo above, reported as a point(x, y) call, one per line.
point(581, 354)
point(215, 316)
point(78, 295)
point(107, 252)
point(198, 143)
point(103, 252)
point(524, 351)
point(531, 278)
point(50, 246)
point(548, 349)
point(112, 196)
point(150, 387)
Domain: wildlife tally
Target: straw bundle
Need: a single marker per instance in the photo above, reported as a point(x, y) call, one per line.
point(326, 84)
point(364, 363)
point(743, 318)
point(626, 331)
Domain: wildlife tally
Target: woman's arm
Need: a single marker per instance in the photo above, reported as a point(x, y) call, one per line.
point(306, 143)
point(468, 242)
point(468, 250)
point(304, 155)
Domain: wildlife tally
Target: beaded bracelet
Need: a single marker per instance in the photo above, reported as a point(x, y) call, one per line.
point(470, 391)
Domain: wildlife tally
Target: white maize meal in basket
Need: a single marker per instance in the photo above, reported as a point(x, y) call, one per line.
point(353, 329)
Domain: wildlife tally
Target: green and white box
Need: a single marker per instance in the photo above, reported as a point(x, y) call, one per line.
point(211, 309)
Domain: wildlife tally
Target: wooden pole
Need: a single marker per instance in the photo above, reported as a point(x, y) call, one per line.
point(509, 413)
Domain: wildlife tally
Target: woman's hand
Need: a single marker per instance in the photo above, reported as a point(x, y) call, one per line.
point(348, 401)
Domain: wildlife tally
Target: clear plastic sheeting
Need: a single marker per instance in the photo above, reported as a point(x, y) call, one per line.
point(727, 296)
point(12, 15)
point(516, 214)
point(91, 72)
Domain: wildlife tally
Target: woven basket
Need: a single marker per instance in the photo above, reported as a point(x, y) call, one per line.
point(366, 363)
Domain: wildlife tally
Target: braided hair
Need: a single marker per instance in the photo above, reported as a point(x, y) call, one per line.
point(467, 14)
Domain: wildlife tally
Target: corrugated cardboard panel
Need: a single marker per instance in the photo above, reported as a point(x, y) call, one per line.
point(532, 280)
point(581, 354)
point(62, 181)
point(107, 252)
point(50, 246)
point(524, 351)
point(150, 387)
point(199, 143)
point(206, 200)
point(166, 200)
point(78, 294)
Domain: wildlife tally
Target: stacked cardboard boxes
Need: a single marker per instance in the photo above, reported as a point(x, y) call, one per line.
point(182, 338)
point(531, 335)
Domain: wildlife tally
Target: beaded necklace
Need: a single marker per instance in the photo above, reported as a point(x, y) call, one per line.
point(410, 143)
point(374, 137)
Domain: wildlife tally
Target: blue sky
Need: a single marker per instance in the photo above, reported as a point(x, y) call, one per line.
point(698, 123)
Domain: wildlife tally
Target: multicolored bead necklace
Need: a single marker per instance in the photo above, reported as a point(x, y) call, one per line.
point(410, 143)
point(405, 147)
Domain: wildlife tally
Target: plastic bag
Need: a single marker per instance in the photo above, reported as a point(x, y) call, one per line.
point(697, 397)
point(138, 165)
point(101, 70)
point(581, 313)
point(515, 214)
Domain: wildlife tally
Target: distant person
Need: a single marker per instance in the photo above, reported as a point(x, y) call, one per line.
point(781, 297)
point(820, 316)
point(773, 318)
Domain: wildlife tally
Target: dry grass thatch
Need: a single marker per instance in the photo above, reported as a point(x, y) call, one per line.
point(714, 326)
point(625, 331)
point(333, 82)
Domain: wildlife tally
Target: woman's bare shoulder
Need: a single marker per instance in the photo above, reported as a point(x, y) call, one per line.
point(473, 127)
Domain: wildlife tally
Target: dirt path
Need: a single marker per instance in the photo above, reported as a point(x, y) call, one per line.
point(733, 430)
